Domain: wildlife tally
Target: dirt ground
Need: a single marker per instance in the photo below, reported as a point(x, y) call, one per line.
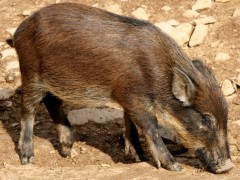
point(99, 148)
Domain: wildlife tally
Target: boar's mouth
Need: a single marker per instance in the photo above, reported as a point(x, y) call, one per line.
point(214, 166)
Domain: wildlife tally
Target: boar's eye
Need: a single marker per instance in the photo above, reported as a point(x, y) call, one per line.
point(207, 120)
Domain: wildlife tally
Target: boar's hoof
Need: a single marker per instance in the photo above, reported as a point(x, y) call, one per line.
point(174, 167)
point(228, 165)
point(143, 158)
point(65, 150)
point(25, 160)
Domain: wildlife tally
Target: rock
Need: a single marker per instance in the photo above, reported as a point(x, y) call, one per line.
point(165, 27)
point(83, 150)
point(74, 153)
point(140, 13)
point(215, 44)
point(233, 148)
point(227, 87)
point(2, 44)
point(10, 52)
point(205, 20)
point(187, 29)
point(26, 13)
point(114, 8)
point(202, 4)
point(236, 12)
point(190, 14)
point(10, 77)
point(180, 34)
point(95, 5)
point(166, 8)
point(231, 139)
point(82, 116)
point(6, 93)
point(222, 0)
point(105, 165)
point(173, 22)
point(237, 122)
point(199, 33)
point(12, 65)
point(222, 57)
point(11, 31)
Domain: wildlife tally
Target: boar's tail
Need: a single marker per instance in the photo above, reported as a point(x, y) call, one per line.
point(10, 42)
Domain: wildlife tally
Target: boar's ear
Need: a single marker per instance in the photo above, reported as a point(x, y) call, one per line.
point(202, 67)
point(182, 87)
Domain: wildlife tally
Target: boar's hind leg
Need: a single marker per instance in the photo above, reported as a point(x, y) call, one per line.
point(31, 98)
point(149, 126)
point(132, 138)
point(54, 107)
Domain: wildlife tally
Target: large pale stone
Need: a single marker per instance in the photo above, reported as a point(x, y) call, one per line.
point(10, 52)
point(11, 31)
point(187, 29)
point(114, 8)
point(180, 34)
point(140, 13)
point(199, 33)
point(12, 65)
point(202, 4)
point(165, 27)
point(190, 14)
point(83, 116)
point(205, 20)
point(173, 22)
point(222, 0)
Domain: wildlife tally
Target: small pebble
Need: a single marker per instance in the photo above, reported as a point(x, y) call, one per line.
point(26, 13)
point(222, 56)
point(166, 8)
point(10, 77)
point(105, 165)
point(236, 13)
point(227, 87)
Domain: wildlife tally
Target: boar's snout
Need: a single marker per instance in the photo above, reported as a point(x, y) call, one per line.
point(224, 167)
point(216, 165)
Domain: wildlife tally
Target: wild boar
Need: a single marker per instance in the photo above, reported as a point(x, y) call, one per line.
point(86, 56)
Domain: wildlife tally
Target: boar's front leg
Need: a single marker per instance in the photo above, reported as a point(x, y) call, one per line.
point(54, 107)
point(149, 126)
point(132, 139)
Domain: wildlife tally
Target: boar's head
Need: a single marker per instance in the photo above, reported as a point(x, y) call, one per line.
point(201, 113)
